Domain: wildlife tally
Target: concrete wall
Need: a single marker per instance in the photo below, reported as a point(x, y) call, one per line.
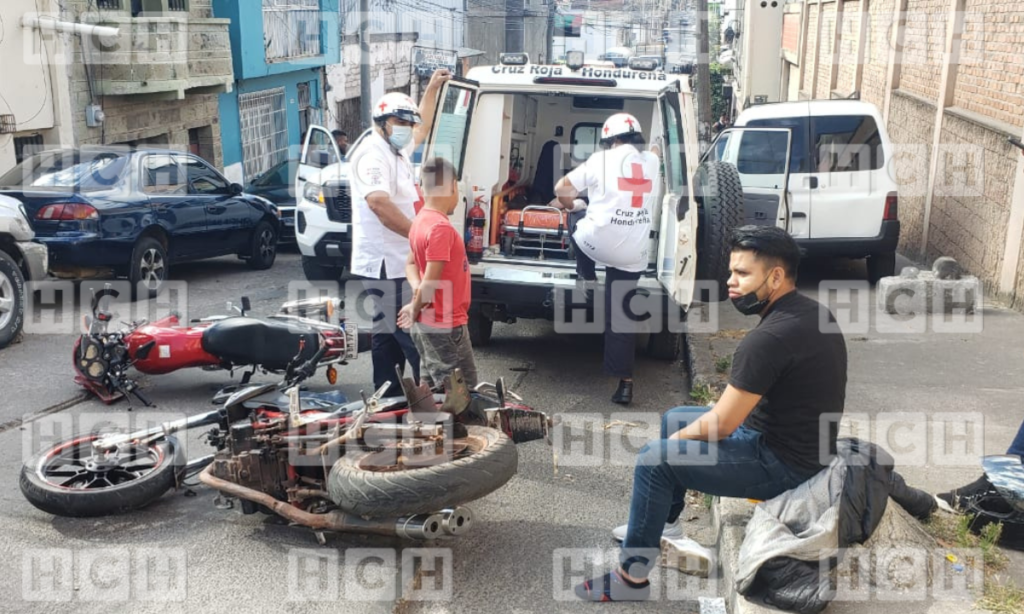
point(138, 118)
point(876, 52)
point(34, 87)
point(390, 71)
point(961, 182)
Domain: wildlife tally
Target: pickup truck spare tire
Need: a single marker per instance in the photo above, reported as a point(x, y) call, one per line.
point(720, 196)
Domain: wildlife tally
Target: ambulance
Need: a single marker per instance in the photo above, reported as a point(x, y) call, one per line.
point(512, 130)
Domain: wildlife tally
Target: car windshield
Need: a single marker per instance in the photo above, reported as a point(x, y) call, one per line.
point(67, 170)
point(282, 174)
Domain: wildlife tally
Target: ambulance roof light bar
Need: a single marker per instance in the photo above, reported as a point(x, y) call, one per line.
point(514, 59)
point(643, 64)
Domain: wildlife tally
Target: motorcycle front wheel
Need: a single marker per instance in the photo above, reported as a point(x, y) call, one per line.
point(71, 479)
point(372, 485)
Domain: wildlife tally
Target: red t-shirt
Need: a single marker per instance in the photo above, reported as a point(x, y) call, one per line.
point(434, 239)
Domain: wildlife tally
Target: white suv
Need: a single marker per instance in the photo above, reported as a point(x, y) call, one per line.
point(842, 199)
point(21, 260)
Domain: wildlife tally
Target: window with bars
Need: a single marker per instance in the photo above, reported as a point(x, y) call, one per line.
point(291, 29)
point(109, 5)
point(25, 146)
point(264, 125)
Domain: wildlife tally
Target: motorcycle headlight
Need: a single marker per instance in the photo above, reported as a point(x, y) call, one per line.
point(314, 194)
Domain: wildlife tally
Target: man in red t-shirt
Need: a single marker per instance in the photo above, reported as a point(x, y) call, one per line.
point(438, 271)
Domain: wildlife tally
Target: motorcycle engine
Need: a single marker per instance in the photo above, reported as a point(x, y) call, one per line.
point(250, 460)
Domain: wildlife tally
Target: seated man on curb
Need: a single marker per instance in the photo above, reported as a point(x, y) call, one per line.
point(767, 433)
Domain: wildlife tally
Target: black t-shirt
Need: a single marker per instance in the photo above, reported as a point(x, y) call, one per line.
point(796, 359)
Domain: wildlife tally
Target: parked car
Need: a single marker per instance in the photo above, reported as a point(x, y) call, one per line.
point(111, 211)
point(277, 185)
point(843, 201)
point(21, 260)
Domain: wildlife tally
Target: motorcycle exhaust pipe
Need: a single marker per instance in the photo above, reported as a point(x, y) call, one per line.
point(457, 521)
point(421, 526)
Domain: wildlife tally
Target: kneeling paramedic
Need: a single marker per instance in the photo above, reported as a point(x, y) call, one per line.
point(620, 182)
point(774, 427)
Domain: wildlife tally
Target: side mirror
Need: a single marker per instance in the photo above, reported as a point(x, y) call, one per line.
point(236, 189)
point(144, 351)
point(246, 305)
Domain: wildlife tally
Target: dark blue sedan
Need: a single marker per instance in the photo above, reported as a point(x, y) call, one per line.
point(135, 213)
point(277, 185)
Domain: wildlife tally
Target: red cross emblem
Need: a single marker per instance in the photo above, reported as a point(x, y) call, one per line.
point(629, 120)
point(383, 106)
point(637, 185)
point(606, 129)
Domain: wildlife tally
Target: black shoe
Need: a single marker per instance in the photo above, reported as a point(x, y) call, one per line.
point(959, 497)
point(624, 394)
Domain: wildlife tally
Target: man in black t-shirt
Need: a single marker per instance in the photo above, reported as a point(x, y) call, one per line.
point(773, 428)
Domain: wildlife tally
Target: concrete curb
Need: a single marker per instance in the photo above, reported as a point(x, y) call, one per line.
point(700, 361)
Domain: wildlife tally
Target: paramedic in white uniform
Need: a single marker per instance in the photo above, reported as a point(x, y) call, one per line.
point(384, 197)
point(621, 182)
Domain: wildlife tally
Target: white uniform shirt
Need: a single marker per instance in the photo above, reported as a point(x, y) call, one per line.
point(374, 167)
point(622, 186)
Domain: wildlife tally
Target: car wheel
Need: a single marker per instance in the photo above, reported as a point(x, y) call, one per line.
point(314, 271)
point(881, 265)
point(264, 247)
point(12, 300)
point(149, 267)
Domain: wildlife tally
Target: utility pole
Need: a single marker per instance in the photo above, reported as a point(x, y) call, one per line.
point(551, 32)
point(364, 65)
point(703, 74)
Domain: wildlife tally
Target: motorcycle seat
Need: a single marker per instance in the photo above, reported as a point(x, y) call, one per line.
point(249, 341)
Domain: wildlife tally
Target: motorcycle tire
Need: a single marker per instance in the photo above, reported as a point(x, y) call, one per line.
point(77, 499)
point(363, 491)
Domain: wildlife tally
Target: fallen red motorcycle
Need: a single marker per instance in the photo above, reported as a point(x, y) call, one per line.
point(400, 466)
point(103, 358)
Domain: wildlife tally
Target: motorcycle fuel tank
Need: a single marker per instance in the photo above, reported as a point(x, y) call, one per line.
point(175, 347)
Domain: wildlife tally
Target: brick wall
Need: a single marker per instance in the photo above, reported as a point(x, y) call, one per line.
point(911, 124)
point(973, 189)
point(826, 63)
point(848, 47)
point(876, 52)
point(807, 62)
point(791, 32)
point(923, 45)
point(990, 78)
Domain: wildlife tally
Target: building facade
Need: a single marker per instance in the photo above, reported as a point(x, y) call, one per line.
point(35, 110)
point(154, 83)
point(280, 49)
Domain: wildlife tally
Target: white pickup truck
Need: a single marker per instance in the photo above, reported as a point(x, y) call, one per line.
point(20, 260)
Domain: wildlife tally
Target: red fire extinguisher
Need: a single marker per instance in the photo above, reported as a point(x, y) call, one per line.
point(477, 220)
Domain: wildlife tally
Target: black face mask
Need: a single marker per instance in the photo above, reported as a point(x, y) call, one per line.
point(749, 304)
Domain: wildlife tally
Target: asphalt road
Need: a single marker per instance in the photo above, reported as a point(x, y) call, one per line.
point(182, 554)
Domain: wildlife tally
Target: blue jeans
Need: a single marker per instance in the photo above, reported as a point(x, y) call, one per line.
point(1017, 447)
point(740, 465)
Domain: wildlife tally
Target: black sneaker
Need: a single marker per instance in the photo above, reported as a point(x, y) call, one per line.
point(959, 497)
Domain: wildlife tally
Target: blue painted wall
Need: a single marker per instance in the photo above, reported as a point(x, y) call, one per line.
point(246, 33)
point(230, 124)
point(253, 73)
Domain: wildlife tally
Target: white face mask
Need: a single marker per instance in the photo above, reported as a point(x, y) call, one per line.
point(400, 136)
